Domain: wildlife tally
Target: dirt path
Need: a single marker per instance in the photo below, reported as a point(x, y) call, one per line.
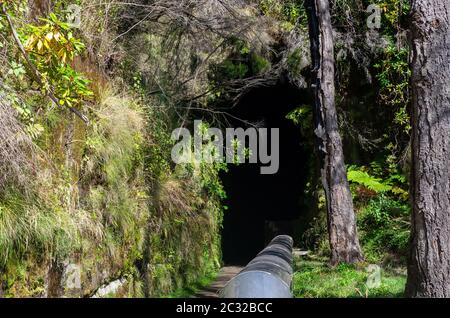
point(225, 274)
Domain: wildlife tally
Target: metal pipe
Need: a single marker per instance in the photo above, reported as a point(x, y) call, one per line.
point(268, 275)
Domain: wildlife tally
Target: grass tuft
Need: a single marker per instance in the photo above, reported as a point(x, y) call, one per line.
point(314, 278)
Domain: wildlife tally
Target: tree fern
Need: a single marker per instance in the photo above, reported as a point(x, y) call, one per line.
point(363, 178)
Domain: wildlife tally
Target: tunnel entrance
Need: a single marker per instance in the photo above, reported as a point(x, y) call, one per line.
point(262, 206)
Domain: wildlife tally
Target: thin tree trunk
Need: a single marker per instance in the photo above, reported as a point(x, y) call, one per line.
point(429, 262)
point(342, 232)
point(39, 9)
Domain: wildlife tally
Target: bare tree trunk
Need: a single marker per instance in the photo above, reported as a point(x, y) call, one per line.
point(429, 263)
point(39, 9)
point(342, 232)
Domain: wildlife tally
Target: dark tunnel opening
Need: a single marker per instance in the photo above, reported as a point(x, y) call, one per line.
point(263, 206)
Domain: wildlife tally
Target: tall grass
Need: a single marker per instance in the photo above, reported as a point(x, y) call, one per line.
point(53, 216)
point(27, 225)
point(112, 166)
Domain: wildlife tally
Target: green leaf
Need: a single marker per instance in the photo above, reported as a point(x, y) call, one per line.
point(368, 181)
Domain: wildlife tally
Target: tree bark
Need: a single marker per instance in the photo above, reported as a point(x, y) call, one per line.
point(342, 231)
point(429, 261)
point(39, 9)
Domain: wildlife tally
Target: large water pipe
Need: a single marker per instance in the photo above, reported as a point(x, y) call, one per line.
point(268, 275)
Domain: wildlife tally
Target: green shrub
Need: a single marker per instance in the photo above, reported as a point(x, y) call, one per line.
point(289, 12)
point(384, 226)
